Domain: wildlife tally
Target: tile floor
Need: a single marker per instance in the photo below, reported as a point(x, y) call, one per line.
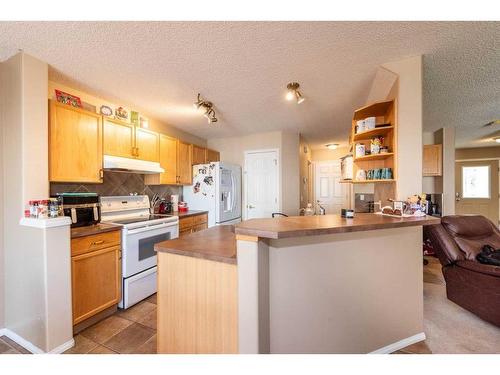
point(131, 331)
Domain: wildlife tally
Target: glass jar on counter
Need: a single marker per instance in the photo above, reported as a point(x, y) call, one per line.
point(53, 208)
point(33, 209)
point(43, 209)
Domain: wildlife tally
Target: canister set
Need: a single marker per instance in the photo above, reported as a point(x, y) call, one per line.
point(365, 125)
point(374, 174)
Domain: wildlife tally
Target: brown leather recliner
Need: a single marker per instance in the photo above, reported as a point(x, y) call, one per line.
point(470, 284)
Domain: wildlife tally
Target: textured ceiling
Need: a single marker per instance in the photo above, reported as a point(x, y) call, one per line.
point(243, 67)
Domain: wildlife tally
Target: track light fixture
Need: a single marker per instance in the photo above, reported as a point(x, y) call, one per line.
point(209, 112)
point(294, 93)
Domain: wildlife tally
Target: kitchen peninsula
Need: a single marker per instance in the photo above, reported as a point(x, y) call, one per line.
point(316, 284)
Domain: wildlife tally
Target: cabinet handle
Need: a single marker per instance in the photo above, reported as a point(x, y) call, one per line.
point(98, 242)
point(101, 174)
point(137, 151)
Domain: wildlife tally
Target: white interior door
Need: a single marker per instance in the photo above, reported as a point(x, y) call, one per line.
point(327, 187)
point(261, 184)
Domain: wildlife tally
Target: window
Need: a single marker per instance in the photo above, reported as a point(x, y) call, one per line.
point(476, 182)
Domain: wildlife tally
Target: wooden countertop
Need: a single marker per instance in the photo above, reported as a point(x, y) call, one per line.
point(296, 226)
point(217, 243)
point(188, 213)
point(93, 229)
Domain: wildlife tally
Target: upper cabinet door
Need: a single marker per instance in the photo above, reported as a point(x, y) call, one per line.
point(147, 145)
point(168, 160)
point(432, 163)
point(75, 144)
point(199, 155)
point(184, 163)
point(212, 156)
point(118, 138)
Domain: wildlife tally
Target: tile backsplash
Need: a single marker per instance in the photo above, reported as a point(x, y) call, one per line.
point(118, 183)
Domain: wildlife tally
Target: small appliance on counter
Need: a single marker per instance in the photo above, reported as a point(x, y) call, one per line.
point(165, 207)
point(83, 208)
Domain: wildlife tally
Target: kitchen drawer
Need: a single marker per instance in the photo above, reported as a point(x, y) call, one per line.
point(99, 241)
point(185, 223)
point(199, 227)
point(200, 219)
point(185, 232)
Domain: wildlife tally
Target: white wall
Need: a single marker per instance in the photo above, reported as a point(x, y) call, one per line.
point(2, 268)
point(25, 156)
point(290, 176)
point(232, 150)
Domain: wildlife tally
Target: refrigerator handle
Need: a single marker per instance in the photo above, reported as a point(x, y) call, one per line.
point(233, 192)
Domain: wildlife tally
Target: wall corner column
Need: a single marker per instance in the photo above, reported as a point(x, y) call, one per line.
point(253, 296)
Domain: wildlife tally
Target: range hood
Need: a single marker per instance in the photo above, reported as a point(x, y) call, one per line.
point(118, 164)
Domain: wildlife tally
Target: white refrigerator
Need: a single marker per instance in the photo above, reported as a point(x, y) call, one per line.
point(217, 189)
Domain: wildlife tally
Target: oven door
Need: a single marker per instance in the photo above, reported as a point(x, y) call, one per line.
point(138, 246)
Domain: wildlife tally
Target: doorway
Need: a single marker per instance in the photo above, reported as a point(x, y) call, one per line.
point(327, 187)
point(261, 181)
point(476, 187)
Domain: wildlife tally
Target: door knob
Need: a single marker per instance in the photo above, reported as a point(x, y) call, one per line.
point(250, 206)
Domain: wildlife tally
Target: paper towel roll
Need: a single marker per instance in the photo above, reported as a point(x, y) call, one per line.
point(174, 198)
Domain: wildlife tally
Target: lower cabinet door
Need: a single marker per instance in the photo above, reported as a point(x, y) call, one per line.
point(185, 232)
point(96, 279)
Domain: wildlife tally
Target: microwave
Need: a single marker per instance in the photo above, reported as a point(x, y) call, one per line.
point(83, 208)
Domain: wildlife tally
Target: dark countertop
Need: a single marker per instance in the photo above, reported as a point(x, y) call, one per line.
point(188, 213)
point(217, 243)
point(296, 226)
point(93, 229)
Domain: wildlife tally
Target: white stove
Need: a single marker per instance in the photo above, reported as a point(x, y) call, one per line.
point(141, 231)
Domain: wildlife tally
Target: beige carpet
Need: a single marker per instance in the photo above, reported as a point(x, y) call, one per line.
point(449, 328)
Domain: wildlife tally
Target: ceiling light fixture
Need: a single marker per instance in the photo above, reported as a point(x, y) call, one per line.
point(332, 146)
point(497, 139)
point(209, 112)
point(294, 93)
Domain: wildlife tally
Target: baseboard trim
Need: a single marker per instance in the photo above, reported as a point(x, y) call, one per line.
point(400, 344)
point(21, 341)
point(63, 347)
point(33, 348)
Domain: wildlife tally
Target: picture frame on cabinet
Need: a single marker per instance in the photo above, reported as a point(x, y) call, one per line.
point(65, 98)
point(106, 111)
point(122, 114)
point(134, 118)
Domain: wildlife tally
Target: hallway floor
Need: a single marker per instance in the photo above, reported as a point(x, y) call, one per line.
point(448, 327)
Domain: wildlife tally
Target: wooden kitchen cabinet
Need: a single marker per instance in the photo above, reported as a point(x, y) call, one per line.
point(119, 138)
point(129, 141)
point(193, 223)
point(147, 145)
point(199, 155)
point(184, 163)
point(75, 144)
point(168, 161)
point(95, 274)
point(432, 160)
point(212, 156)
